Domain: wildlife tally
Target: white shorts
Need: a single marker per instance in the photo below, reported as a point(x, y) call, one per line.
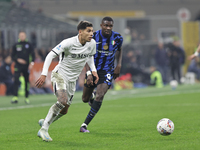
point(60, 84)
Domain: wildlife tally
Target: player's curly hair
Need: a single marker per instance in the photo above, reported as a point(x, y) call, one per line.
point(83, 25)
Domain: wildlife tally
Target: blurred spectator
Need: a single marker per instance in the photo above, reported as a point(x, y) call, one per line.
point(161, 60)
point(195, 67)
point(132, 66)
point(156, 77)
point(23, 55)
point(1, 60)
point(182, 57)
point(176, 59)
point(43, 53)
point(142, 37)
point(6, 75)
point(127, 36)
point(33, 39)
point(134, 35)
point(38, 58)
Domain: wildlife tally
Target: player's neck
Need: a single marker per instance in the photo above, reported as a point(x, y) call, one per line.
point(105, 36)
point(82, 41)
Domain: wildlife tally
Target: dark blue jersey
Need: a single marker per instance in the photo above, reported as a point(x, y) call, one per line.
point(106, 49)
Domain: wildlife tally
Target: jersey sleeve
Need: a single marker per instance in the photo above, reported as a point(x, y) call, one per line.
point(93, 48)
point(47, 62)
point(61, 47)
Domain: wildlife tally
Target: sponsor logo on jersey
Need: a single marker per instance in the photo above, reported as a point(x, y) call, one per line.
point(106, 53)
point(79, 55)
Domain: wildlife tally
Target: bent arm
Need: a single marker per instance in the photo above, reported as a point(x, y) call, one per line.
point(196, 54)
point(91, 64)
point(197, 51)
point(119, 57)
point(119, 63)
point(47, 63)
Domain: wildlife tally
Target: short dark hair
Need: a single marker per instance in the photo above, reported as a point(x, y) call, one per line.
point(83, 25)
point(22, 31)
point(107, 19)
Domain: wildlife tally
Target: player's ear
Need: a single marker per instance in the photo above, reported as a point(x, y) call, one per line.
point(80, 31)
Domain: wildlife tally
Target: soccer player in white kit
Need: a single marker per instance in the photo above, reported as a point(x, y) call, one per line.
point(73, 54)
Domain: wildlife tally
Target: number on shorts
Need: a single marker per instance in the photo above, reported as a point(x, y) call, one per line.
point(109, 76)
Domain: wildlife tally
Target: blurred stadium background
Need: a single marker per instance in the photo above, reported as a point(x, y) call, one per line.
point(128, 117)
point(142, 23)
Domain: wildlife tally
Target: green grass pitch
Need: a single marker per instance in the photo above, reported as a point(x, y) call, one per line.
point(126, 121)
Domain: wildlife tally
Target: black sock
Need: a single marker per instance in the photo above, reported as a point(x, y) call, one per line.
point(94, 109)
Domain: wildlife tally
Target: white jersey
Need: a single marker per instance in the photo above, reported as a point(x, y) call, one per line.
point(73, 57)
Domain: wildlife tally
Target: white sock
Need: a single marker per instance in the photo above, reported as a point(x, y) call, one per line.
point(52, 114)
point(58, 117)
point(84, 125)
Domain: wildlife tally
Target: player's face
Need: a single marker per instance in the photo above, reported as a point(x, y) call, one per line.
point(86, 34)
point(106, 27)
point(22, 36)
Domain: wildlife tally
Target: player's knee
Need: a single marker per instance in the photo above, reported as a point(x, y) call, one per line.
point(99, 96)
point(63, 103)
point(64, 111)
point(85, 99)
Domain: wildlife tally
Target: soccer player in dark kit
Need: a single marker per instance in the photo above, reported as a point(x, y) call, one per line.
point(108, 46)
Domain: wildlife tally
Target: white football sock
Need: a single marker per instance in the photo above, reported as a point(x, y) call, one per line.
point(58, 117)
point(84, 125)
point(52, 114)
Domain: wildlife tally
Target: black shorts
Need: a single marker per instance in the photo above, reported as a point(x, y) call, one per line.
point(104, 77)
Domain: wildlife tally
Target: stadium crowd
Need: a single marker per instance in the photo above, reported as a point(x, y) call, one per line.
point(167, 58)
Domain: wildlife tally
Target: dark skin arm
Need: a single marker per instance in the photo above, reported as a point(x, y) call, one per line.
point(90, 77)
point(118, 57)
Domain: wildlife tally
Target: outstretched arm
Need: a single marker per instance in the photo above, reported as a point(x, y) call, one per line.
point(45, 69)
point(119, 63)
point(195, 54)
